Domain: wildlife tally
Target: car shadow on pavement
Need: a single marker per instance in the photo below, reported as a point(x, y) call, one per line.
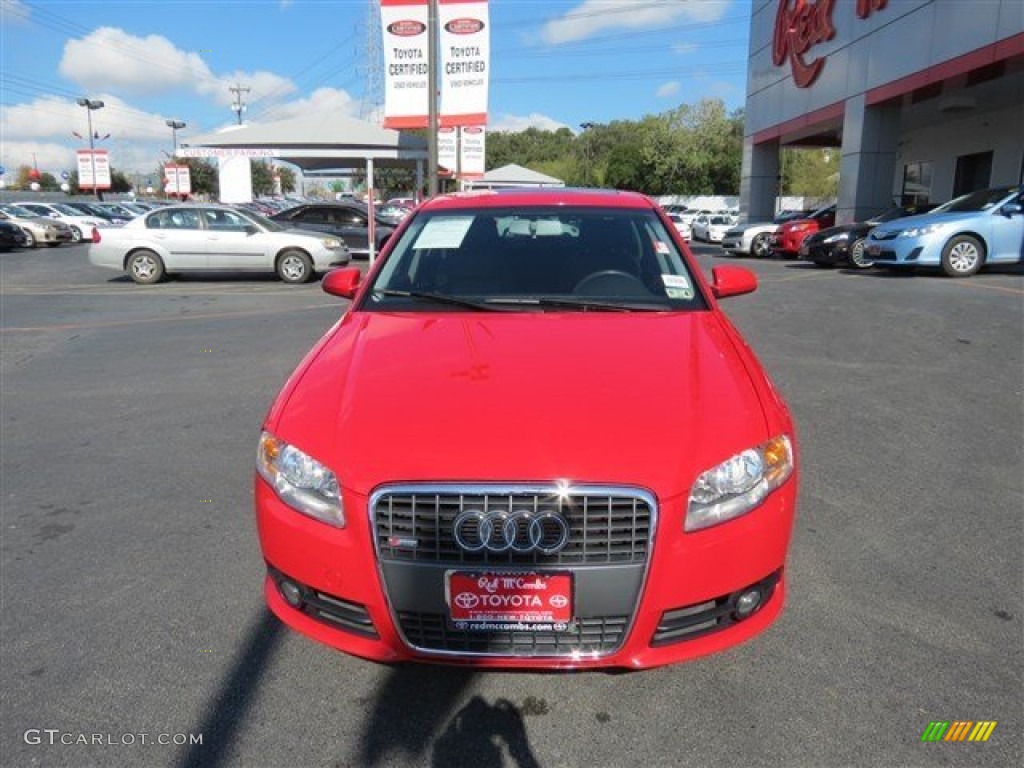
point(227, 710)
point(413, 715)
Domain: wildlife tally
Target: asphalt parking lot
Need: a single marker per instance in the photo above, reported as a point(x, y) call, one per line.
point(131, 572)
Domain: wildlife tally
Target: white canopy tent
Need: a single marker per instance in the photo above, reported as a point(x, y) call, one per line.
point(317, 142)
point(513, 175)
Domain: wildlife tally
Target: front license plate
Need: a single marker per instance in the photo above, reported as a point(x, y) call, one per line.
point(526, 602)
point(804, 250)
point(874, 250)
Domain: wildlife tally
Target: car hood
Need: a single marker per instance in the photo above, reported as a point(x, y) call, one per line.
point(925, 219)
point(645, 399)
point(39, 221)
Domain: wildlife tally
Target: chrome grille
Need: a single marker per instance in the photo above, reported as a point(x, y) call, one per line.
point(606, 525)
point(430, 631)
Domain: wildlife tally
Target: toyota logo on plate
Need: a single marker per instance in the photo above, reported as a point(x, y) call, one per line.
point(521, 530)
point(466, 600)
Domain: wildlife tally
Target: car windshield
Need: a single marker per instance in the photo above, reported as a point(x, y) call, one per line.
point(981, 200)
point(721, 220)
point(533, 259)
point(17, 211)
point(67, 210)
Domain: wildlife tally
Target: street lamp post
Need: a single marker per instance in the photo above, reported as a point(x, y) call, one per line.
point(175, 126)
point(90, 105)
point(586, 151)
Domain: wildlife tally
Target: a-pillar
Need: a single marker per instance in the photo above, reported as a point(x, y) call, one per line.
point(759, 183)
point(868, 166)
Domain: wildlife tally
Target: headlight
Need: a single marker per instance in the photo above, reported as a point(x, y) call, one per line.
point(302, 482)
point(331, 242)
point(739, 484)
point(919, 231)
point(839, 238)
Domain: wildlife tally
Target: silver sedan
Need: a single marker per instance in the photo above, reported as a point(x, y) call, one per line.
point(185, 238)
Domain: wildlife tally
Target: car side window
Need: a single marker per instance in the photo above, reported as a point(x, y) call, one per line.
point(312, 215)
point(352, 218)
point(223, 221)
point(181, 218)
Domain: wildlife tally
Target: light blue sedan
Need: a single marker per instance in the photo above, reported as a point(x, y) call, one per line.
point(984, 227)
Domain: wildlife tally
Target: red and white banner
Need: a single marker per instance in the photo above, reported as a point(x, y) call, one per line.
point(90, 160)
point(448, 148)
point(177, 180)
point(464, 41)
point(406, 63)
point(472, 152)
point(461, 150)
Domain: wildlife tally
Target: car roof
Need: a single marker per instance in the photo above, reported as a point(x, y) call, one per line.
point(543, 196)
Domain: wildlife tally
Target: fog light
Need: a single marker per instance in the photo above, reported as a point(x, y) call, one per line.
point(290, 592)
point(747, 603)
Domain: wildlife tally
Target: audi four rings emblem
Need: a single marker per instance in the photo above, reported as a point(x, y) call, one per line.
point(521, 530)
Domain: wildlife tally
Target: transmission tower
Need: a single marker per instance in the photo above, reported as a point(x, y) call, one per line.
point(371, 68)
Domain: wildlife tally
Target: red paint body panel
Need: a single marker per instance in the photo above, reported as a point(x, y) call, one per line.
point(791, 234)
point(646, 400)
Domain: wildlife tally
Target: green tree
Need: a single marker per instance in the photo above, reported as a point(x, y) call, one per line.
point(810, 172)
point(262, 178)
point(288, 179)
point(119, 183)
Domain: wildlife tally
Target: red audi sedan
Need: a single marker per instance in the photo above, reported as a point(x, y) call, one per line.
point(533, 440)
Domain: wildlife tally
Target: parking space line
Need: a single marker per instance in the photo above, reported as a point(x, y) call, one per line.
point(1001, 288)
point(141, 320)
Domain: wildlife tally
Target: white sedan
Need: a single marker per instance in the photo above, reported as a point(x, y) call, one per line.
point(185, 238)
point(681, 225)
point(80, 224)
point(711, 228)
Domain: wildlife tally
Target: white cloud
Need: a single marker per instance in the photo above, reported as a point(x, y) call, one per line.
point(112, 59)
point(14, 11)
point(49, 157)
point(517, 123)
point(685, 48)
point(50, 116)
point(593, 16)
point(321, 100)
point(285, 4)
point(264, 86)
point(667, 89)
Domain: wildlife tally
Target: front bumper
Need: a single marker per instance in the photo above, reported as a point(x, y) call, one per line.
point(677, 605)
point(789, 242)
point(820, 253)
point(909, 251)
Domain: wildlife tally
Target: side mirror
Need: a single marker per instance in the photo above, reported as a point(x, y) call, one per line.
point(732, 281)
point(342, 282)
point(251, 229)
point(1011, 208)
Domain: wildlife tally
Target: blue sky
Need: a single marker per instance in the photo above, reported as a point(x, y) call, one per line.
point(553, 63)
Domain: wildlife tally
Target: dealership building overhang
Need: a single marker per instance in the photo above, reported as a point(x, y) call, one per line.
point(924, 99)
point(321, 142)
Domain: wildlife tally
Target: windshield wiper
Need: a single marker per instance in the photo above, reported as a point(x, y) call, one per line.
point(584, 304)
point(440, 298)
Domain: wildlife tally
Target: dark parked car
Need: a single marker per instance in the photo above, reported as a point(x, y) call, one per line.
point(92, 209)
point(347, 220)
point(11, 236)
point(845, 244)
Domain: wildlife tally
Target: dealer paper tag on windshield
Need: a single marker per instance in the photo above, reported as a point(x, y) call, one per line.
point(677, 286)
point(444, 232)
